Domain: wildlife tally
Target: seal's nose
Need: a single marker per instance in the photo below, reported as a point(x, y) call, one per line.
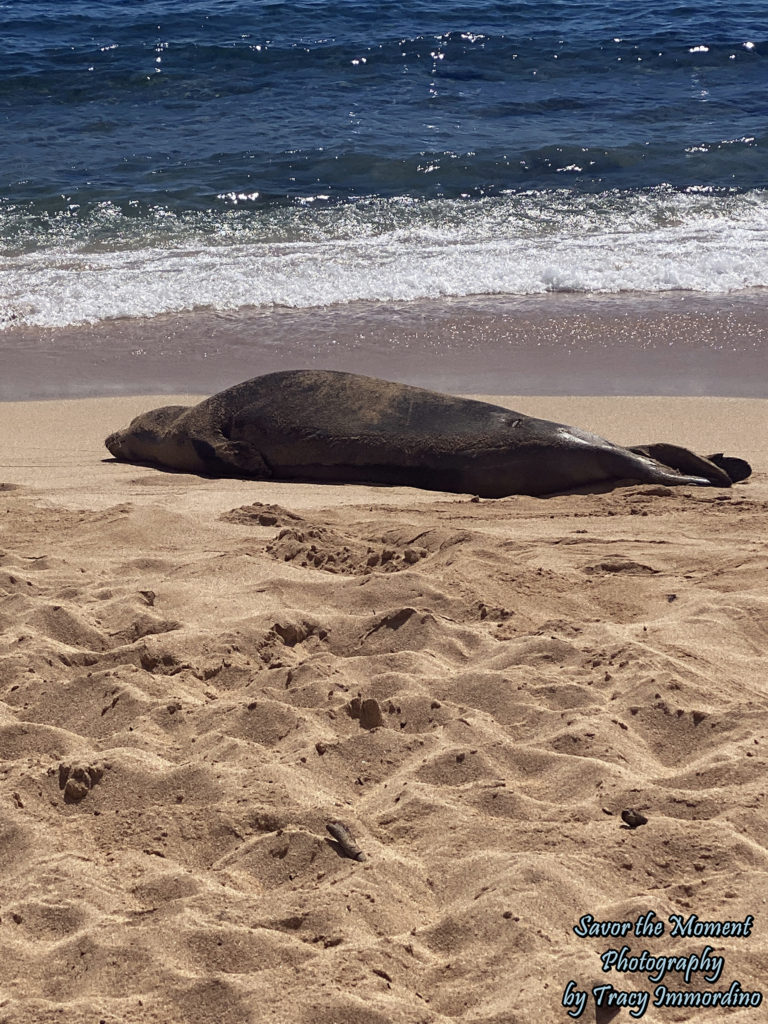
point(113, 444)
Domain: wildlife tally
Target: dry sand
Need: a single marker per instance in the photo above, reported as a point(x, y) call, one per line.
point(184, 671)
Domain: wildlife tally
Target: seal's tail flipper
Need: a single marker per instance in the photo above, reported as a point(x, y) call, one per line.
point(687, 462)
point(737, 469)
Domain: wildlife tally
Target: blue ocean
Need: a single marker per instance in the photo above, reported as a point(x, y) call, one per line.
point(221, 155)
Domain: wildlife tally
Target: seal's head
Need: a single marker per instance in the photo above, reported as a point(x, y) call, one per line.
point(144, 439)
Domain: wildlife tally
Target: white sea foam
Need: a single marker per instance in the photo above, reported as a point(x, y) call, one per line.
point(106, 266)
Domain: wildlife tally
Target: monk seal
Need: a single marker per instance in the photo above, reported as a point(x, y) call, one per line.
point(326, 425)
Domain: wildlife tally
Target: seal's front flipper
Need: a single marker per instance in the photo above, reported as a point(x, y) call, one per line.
point(243, 458)
point(235, 458)
point(737, 469)
point(685, 461)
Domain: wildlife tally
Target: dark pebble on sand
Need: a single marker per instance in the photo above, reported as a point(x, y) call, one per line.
point(632, 818)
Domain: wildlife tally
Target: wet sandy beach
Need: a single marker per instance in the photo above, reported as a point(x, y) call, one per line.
point(672, 344)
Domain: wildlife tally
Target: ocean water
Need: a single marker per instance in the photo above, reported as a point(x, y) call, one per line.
point(224, 155)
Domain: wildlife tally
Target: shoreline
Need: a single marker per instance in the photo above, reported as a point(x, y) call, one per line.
point(673, 344)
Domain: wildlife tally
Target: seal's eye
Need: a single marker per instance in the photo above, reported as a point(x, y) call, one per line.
point(513, 421)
